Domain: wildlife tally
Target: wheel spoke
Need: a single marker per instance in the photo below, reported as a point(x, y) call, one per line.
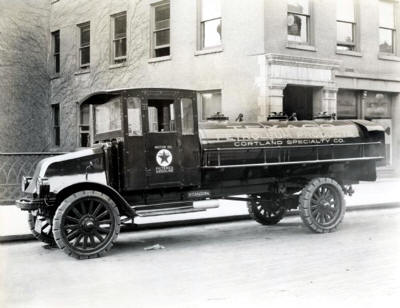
point(97, 209)
point(102, 215)
point(76, 212)
point(102, 222)
point(90, 209)
point(99, 237)
point(73, 234)
point(72, 219)
point(103, 230)
point(85, 241)
point(92, 241)
point(83, 207)
point(78, 239)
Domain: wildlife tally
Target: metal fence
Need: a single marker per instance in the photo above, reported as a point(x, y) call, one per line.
point(12, 167)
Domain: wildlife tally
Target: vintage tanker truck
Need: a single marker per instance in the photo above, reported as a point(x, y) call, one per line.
point(153, 157)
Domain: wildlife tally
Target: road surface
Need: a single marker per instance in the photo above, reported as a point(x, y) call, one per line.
point(237, 264)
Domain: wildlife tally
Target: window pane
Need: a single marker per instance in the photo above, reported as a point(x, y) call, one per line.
point(298, 6)
point(187, 116)
point(57, 63)
point(120, 26)
point(108, 116)
point(161, 15)
point(162, 52)
point(162, 38)
point(345, 32)
point(386, 14)
point(211, 104)
point(134, 116)
point(120, 48)
point(85, 115)
point(345, 10)
point(85, 55)
point(297, 28)
point(211, 33)
point(210, 9)
point(56, 39)
point(386, 40)
point(85, 36)
point(153, 119)
point(56, 115)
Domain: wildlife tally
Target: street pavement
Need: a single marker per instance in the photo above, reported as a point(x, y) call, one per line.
point(232, 264)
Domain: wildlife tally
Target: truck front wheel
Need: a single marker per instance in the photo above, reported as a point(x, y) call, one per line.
point(86, 224)
point(41, 228)
point(322, 205)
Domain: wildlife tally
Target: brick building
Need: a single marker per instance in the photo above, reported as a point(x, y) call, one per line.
point(252, 57)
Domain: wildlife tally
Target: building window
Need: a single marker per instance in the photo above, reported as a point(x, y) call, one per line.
point(84, 45)
point(56, 124)
point(210, 103)
point(210, 23)
point(118, 26)
point(161, 30)
point(84, 128)
point(56, 50)
point(299, 21)
point(347, 104)
point(345, 24)
point(386, 27)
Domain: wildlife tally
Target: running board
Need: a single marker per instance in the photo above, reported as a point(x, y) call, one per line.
point(170, 211)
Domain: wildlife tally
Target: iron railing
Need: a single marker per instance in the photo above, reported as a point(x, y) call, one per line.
point(12, 167)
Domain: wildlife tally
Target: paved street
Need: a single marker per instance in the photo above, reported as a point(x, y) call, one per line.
point(218, 265)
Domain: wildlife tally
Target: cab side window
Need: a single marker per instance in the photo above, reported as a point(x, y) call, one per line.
point(187, 116)
point(134, 116)
point(161, 116)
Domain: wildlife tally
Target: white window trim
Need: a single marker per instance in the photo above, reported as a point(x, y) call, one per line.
point(153, 46)
point(200, 112)
point(85, 66)
point(118, 60)
point(200, 41)
point(310, 28)
point(394, 32)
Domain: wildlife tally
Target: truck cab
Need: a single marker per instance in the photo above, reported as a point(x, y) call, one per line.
point(155, 132)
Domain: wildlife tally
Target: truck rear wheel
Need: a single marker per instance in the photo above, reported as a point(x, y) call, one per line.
point(86, 224)
point(322, 205)
point(43, 231)
point(265, 212)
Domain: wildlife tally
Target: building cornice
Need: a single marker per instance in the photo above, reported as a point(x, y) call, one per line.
point(280, 59)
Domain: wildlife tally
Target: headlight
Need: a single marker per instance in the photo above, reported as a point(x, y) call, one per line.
point(25, 182)
point(42, 187)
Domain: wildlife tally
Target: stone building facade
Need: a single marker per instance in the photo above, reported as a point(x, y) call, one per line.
point(251, 57)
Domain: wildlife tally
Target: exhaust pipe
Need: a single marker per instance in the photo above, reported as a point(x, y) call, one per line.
point(206, 204)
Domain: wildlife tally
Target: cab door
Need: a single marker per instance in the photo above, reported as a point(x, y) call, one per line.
point(162, 144)
point(171, 141)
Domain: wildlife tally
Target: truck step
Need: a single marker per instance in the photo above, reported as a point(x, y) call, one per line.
point(167, 211)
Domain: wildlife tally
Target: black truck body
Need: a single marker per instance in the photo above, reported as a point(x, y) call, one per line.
point(153, 157)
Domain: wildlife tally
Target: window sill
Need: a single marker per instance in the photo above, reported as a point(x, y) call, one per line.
point(159, 59)
point(351, 53)
point(388, 57)
point(55, 76)
point(117, 65)
point(294, 45)
point(82, 72)
point(209, 51)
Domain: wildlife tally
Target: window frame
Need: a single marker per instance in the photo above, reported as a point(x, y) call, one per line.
point(114, 40)
point(84, 128)
point(55, 36)
point(393, 30)
point(81, 27)
point(200, 111)
point(201, 25)
point(309, 40)
point(153, 41)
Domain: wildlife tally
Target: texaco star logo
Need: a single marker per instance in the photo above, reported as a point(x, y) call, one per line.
point(164, 158)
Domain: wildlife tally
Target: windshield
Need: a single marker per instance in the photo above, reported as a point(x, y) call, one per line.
point(108, 116)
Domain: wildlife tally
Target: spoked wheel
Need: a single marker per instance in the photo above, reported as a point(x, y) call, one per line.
point(41, 228)
point(265, 212)
point(86, 224)
point(322, 205)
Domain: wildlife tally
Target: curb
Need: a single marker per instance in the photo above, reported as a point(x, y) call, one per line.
point(204, 221)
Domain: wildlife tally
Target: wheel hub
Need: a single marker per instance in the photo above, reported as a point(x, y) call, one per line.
point(88, 224)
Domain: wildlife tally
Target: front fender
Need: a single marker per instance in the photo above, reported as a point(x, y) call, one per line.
point(123, 206)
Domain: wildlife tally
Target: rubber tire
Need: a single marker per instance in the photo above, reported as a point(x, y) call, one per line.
point(305, 205)
point(267, 221)
point(62, 209)
point(43, 237)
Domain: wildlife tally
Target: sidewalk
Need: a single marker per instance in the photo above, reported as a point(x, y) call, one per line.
point(384, 193)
